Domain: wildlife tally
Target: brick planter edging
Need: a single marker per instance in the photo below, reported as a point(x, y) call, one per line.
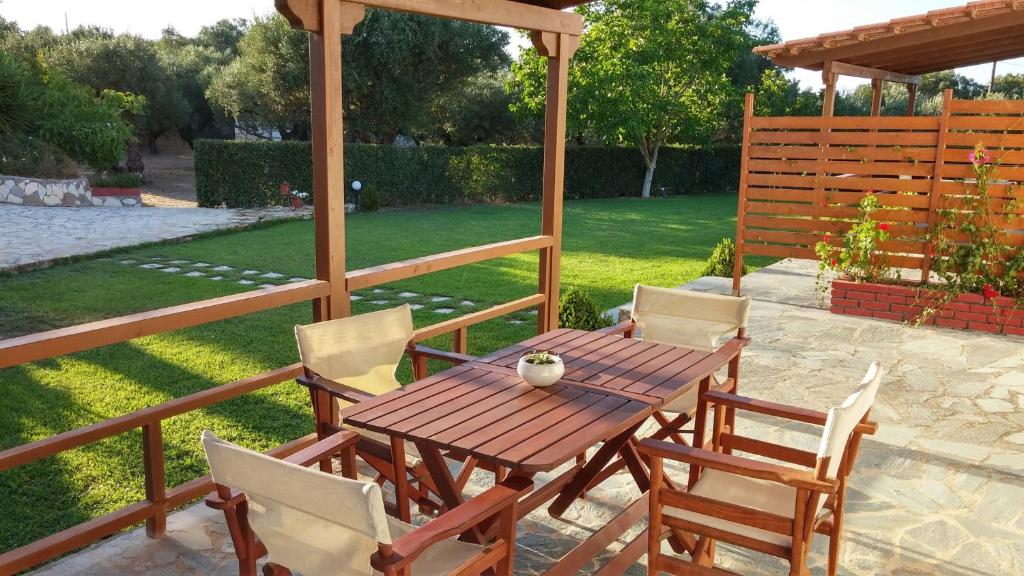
point(899, 303)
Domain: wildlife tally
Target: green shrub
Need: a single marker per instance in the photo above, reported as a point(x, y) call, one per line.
point(369, 199)
point(116, 180)
point(31, 157)
point(577, 310)
point(247, 173)
point(722, 260)
point(17, 106)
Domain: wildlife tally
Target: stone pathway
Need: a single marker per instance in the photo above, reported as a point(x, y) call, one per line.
point(34, 236)
point(937, 491)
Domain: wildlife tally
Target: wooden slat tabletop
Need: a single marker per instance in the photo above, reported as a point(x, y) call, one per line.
point(484, 409)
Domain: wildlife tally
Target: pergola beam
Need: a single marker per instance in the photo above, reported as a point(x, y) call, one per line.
point(844, 69)
point(304, 13)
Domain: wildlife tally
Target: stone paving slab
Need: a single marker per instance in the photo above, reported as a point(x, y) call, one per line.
point(937, 491)
point(35, 235)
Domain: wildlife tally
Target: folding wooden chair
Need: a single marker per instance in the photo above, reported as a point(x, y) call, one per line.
point(774, 509)
point(319, 524)
point(355, 358)
point(690, 319)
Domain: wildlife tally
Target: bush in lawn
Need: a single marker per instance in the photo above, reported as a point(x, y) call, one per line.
point(246, 173)
point(370, 199)
point(577, 310)
point(17, 106)
point(722, 260)
point(31, 157)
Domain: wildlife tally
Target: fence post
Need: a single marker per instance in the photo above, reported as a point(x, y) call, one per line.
point(936, 193)
point(460, 338)
point(156, 479)
point(741, 210)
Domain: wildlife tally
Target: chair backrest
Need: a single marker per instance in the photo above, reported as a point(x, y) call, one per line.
point(310, 522)
point(359, 351)
point(844, 418)
point(685, 318)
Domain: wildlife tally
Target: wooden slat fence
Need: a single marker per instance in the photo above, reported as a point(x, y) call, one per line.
point(803, 177)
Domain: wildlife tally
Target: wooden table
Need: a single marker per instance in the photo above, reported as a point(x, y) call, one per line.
point(483, 410)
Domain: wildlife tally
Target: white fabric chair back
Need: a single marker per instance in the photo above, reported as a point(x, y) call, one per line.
point(313, 523)
point(685, 318)
point(845, 417)
point(359, 351)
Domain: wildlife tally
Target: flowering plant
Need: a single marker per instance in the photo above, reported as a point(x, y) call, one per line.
point(859, 258)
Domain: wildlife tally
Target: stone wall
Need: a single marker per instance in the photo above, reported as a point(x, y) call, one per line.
point(39, 192)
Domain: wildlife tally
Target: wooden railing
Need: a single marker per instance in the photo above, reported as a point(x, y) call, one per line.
point(159, 498)
point(803, 177)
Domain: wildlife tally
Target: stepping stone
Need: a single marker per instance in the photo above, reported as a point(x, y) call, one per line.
point(246, 282)
point(151, 266)
point(467, 303)
point(271, 275)
point(127, 262)
point(532, 312)
point(267, 285)
point(178, 262)
point(444, 310)
point(514, 321)
point(415, 306)
point(355, 297)
point(408, 294)
point(439, 298)
point(157, 258)
point(196, 274)
point(171, 269)
point(200, 265)
point(250, 272)
point(297, 279)
point(223, 268)
point(216, 277)
point(379, 302)
point(379, 290)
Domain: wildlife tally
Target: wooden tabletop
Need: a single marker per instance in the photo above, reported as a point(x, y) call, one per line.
point(482, 408)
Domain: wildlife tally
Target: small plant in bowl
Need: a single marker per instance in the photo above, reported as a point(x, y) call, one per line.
point(540, 368)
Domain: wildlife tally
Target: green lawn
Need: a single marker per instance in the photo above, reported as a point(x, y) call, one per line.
point(609, 246)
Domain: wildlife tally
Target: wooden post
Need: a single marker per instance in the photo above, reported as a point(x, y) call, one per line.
point(936, 193)
point(737, 271)
point(336, 18)
point(460, 340)
point(876, 97)
point(911, 98)
point(828, 101)
point(156, 478)
point(558, 48)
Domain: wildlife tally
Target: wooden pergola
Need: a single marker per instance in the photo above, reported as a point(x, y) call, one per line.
point(902, 49)
point(554, 33)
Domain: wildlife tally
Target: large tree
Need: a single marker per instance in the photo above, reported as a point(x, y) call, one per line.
point(397, 67)
point(648, 72)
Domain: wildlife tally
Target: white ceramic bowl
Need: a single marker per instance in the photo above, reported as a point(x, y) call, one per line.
point(540, 375)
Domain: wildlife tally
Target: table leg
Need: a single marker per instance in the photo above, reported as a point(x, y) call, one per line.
point(447, 487)
point(593, 467)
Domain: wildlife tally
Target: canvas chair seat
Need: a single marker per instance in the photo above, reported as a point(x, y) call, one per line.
point(762, 495)
point(441, 558)
point(412, 455)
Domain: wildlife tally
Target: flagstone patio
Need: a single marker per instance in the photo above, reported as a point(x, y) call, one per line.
point(937, 491)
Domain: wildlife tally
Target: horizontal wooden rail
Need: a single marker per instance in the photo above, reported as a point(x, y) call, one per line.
point(476, 317)
point(74, 438)
point(376, 275)
point(42, 345)
point(25, 557)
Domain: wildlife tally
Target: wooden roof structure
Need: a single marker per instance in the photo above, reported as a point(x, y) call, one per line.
point(902, 49)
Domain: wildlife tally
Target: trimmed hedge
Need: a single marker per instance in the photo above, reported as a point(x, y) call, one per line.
point(245, 173)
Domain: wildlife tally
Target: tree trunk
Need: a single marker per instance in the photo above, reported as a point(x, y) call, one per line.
point(651, 160)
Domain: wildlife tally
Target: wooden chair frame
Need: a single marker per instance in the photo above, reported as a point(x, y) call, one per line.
point(384, 459)
point(811, 484)
point(672, 428)
point(395, 559)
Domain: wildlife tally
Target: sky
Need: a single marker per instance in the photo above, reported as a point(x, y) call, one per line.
point(794, 18)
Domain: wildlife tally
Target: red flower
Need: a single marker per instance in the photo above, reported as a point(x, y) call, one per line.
point(884, 226)
point(989, 292)
point(832, 262)
point(827, 238)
